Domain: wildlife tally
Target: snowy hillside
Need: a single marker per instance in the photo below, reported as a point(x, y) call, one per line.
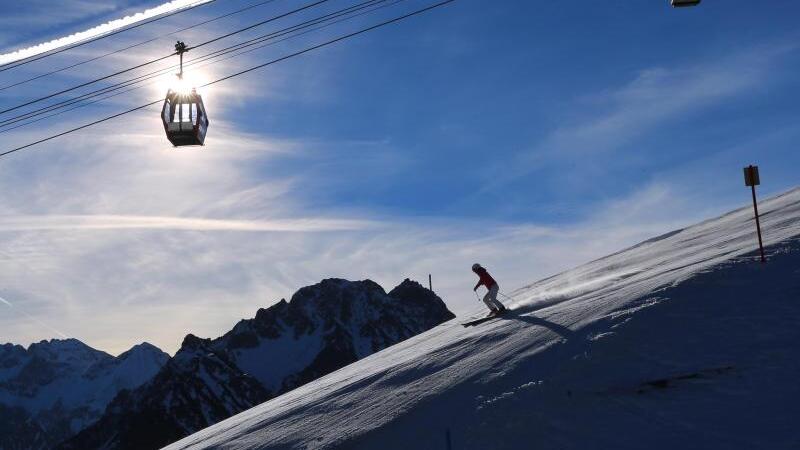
point(683, 341)
point(55, 388)
point(322, 328)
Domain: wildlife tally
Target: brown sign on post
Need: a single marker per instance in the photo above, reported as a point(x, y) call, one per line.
point(751, 176)
point(751, 179)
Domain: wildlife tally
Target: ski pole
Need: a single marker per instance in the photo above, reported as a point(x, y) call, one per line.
point(477, 296)
point(510, 300)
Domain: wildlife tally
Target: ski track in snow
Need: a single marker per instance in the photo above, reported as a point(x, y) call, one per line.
point(612, 354)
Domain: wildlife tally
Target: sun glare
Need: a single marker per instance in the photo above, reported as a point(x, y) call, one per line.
point(183, 86)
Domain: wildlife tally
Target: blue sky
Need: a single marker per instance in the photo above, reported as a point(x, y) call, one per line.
point(528, 136)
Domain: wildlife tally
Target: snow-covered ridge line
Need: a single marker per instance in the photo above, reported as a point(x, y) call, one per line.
point(409, 394)
point(673, 256)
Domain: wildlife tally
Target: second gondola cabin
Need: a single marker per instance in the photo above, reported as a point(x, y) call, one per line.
point(683, 3)
point(185, 119)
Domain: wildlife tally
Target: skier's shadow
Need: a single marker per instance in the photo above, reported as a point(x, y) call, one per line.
point(560, 330)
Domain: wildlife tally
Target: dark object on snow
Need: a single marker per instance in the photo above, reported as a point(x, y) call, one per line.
point(664, 383)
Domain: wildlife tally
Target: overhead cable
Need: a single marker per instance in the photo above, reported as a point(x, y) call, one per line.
point(212, 55)
point(88, 83)
point(82, 102)
point(233, 75)
point(138, 44)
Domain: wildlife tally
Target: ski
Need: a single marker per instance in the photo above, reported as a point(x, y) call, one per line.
point(481, 320)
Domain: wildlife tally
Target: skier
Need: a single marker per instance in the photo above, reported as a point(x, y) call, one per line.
point(491, 297)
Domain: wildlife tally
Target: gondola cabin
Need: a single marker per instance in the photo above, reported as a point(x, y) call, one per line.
point(185, 119)
point(682, 3)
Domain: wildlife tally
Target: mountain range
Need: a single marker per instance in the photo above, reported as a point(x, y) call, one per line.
point(53, 389)
point(81, 398)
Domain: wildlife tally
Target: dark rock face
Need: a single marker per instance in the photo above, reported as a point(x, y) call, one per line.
point(19, 432)
point(55, 388)
point(11, 356)
point(323, 328)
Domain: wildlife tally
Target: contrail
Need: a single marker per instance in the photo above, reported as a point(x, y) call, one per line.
point(33, 318)
point(99, 30)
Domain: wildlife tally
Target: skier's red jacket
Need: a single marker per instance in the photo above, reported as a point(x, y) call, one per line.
point(485, 278)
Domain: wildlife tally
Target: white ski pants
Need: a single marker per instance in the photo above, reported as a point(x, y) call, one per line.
point(491, 298)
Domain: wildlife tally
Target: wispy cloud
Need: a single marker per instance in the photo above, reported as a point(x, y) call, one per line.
point(99, 30)
point(119, 222)
point(655, 97)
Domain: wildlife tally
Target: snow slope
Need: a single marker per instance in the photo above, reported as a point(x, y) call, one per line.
point(683, 341)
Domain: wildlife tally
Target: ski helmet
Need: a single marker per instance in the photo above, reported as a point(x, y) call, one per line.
point(476, 266)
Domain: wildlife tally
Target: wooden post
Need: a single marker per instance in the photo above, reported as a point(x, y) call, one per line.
point(752, 179)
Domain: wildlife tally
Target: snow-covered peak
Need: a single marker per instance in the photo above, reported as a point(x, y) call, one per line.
point(137, 365)
point(336, 297)
point(69, 351)
point(283, 345)
point(143, 349)
point(67, 345)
